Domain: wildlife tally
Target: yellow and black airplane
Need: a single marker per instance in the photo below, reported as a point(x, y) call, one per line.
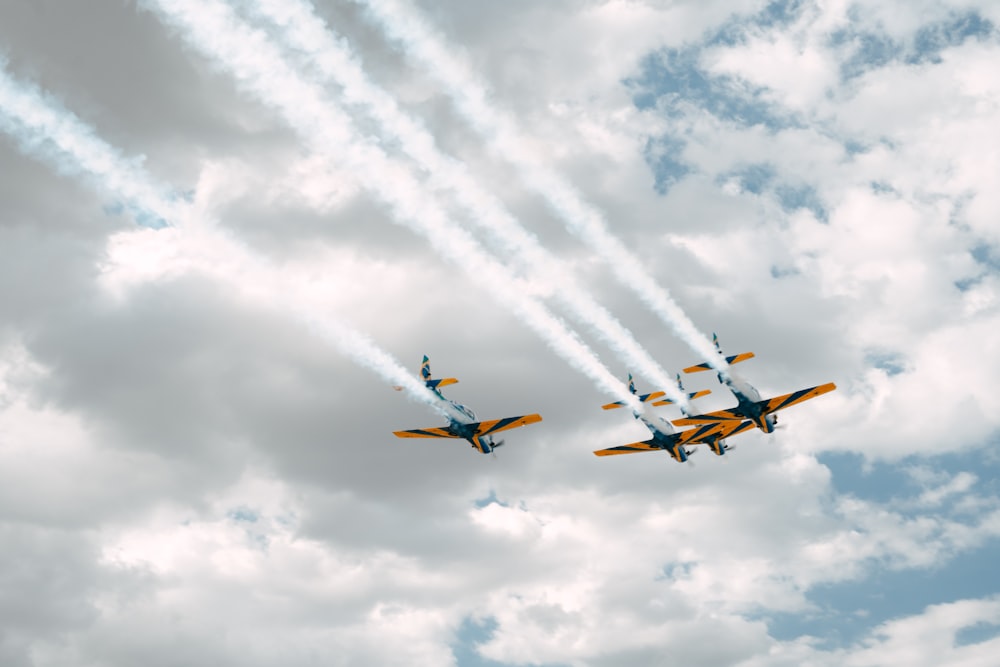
point(750, 405)
point(666, 438)
point(462, 422)
point(675, 443)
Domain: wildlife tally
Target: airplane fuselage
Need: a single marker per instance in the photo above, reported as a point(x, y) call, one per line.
point(462, 425)
point(748, 405)
point(665, 437)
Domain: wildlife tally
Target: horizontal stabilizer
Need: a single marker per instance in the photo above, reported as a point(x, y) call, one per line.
point(643, 398)
point(691, 396)
point(497, 425)
point(635, 447)
point(433, 384)
point(426, 433)
point(735, 359)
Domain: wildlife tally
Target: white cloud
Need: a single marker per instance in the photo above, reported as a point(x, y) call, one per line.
point(195, 479)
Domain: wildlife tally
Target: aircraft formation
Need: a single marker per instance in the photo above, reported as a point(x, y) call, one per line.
point(710, 428)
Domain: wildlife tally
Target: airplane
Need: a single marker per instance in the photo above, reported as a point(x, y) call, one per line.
point(666, 438)
point(675, 443)
point(464, 425)
point(750, 405)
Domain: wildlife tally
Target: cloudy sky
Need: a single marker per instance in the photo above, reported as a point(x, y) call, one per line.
point(227, 228)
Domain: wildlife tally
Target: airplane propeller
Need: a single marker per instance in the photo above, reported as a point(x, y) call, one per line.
point(493, 451)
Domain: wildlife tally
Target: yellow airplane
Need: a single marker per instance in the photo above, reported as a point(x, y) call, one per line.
point(675, 443)
point(750, 405)
point(464, 425)
point(666, 438)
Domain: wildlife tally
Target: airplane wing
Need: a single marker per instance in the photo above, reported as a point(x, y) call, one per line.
point(709, 418)
point(788, 400)
point(497, 425)
point(735, 359)
point(426, 433)
point(720, 431)
point(712, 431)
point(644, 446)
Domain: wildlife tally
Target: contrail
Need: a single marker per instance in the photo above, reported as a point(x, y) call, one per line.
point(303, 32)
point(43, 129)
point(406, 26)
point(213, 29)
point(47, 132)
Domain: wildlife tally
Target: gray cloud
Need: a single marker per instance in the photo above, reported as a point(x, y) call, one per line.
point(189, 476)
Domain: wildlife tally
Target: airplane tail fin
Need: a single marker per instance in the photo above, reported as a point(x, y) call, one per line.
point(425, 374)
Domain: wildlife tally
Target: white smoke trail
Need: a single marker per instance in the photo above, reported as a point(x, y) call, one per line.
point(49, 133)
point(213, 29)
point(303, 32)
point(406, 26)
point(46, 131)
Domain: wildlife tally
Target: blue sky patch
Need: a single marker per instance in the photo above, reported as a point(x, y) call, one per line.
point(890, 362)
point(244, 514)
point(851, 474)
point(145, 218)
point(662, 155)
point(753, 178)
point(931, 40)
point(142, 216)
point(849, 611)
point(489, 500)
point(761, 177)
point(778, 272)
point(888, 483)
point(794, 197)
point(471, 634)
point(779, 13)
point(987, 256)
point(670, 78)
point(978, 633)
point(870, 51)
